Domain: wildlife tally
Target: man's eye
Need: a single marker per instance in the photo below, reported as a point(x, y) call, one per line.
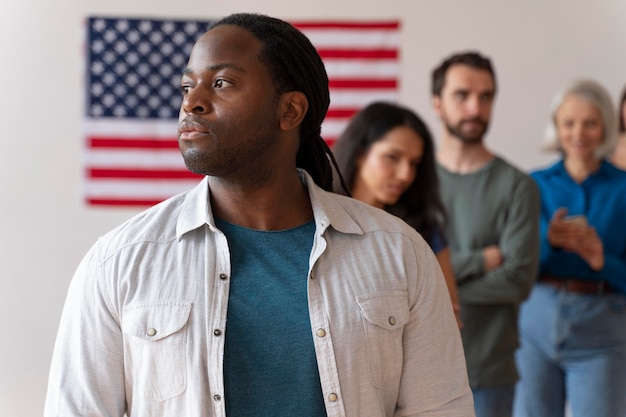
point(220, 83)
point(184, 89)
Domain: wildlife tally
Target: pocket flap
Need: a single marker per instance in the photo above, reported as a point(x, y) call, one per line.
point(386, 309)
point(156, 320)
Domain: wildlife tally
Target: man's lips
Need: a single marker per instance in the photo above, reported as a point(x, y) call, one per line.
point(190, 129)
point(191, 134)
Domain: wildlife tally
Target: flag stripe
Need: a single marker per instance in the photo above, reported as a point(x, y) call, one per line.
point(133, 70)
point(373, 54)
point(303, 26)
point(145, 174)
point(120, 202)
point(338, 83)
point(135, 158)
point(121, 142)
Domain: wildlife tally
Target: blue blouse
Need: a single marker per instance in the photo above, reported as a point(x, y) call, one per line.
point(602, 199)
point(438, 241)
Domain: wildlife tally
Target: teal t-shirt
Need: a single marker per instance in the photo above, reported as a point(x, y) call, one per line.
point(269, 359)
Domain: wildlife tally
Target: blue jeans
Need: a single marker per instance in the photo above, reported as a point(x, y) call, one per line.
point(494, 402)
point(573, 349)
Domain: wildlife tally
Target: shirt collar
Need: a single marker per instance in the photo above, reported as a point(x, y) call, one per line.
point(606, 170)
point(327, 209)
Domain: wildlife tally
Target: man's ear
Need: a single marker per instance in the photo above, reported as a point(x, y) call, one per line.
point(293, 107)
point(437, 104)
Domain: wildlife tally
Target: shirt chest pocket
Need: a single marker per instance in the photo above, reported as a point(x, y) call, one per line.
point(155, 348)
point(384, 315)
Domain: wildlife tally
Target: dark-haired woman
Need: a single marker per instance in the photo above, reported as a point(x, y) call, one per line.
point(386, 156)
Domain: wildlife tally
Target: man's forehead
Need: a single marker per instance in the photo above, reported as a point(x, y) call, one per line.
point(461, 75)
point(233, 38)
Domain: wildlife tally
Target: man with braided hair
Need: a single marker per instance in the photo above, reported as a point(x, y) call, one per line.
point(259, 292)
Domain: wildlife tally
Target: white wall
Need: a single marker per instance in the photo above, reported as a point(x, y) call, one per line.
point(44, 227)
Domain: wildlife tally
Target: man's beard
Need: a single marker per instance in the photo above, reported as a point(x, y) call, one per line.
point(465, 137)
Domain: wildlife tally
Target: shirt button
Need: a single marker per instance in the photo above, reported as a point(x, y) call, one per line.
point(332, 397)
point(217, 397)
point(392, 320)
point(217, 332)
point(223, 277)
point(151, 332)
point(320, 332)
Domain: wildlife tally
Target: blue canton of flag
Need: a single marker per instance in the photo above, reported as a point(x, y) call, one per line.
point(135, 66)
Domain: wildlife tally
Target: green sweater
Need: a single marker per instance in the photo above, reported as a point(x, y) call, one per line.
point(498, 204)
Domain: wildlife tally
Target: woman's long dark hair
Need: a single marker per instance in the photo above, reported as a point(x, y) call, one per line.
point(420, 205)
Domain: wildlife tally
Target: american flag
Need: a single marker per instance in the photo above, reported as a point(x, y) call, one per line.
point(133, 76)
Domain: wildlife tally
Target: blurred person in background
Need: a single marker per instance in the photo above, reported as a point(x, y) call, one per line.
point(492, 228)
point(387, 156)
point(619, 156)
point(573, 326)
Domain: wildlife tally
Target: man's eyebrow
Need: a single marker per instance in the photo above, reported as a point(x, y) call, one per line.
point(218, 67)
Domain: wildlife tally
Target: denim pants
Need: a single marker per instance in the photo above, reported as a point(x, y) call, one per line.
point(494, 402)
point(573, 350)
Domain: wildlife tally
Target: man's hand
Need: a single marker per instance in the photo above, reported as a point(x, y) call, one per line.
point(493, 257)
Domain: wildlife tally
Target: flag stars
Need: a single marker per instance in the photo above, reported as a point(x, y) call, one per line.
point(144, 48)
point(166, 71)
point(168, 27)
point(119, 111)
point(96, 110)
point(110, 36)
point(143, 69)
point(96, 89)
point(133, 37)
point(109, 57)
point(165, 112)
point(97, 68)
point(99, 25)
point(120, 47)
point(191, 28)
point(108, 100)
point(179, 39)
point(135, 65)
point(132, 79)
point(131, 101)
point(156, 37)
point(145, 26)
point(155, 59)
point(108, 79)
point(119, 90)
point(132, 58)
point(97, 46)
point(143, 112)
point(120, 68)
point(167, 48)
point(122, 25)
point(154, 102)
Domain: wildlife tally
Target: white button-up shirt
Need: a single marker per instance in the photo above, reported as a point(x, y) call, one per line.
point(142, 330)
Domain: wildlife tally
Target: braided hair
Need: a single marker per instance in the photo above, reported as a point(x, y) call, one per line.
point(295, 65)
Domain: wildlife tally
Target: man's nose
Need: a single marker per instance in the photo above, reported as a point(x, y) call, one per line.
point(197, 101)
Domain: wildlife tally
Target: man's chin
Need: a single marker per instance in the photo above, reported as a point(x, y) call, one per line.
point(470, 140)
